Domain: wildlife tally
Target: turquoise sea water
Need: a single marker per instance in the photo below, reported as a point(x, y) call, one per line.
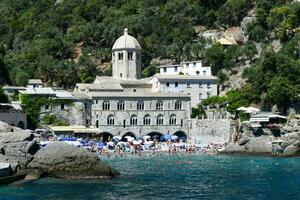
point(177, 177)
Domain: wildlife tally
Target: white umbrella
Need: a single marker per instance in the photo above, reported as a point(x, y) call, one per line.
point(242, 108)
point(135, 142)
point(149, 142)
point(110, 143)
point(118, 137)
point(279, 141)
point(130, 139)
point(251, 110)
point(146, 137)
point(121, 143)
point(174, 137)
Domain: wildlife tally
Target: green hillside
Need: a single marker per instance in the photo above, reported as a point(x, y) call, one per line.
point(65, 41)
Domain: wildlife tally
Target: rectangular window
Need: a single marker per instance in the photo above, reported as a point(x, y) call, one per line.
point(168, 84)
point(200, 96)
point(187, 65)
point(208, 84)
point(208, 94)
point(46, 107)
point(204, 73)
point(200, 84)
point(164, 69)
point(175, 68)
point(194, 65)
point(176, 84)
point(130, 55)
point(188, 84)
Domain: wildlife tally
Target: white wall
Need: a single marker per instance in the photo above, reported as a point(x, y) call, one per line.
point(194, 89)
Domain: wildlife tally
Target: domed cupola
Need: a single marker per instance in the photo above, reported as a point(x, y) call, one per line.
point(126, 57)
point(126, 42)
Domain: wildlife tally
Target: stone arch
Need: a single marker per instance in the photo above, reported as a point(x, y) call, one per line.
point(105, 136)
point(180, 134)
point(21, 124)
point(154, 133)
point(128, 134)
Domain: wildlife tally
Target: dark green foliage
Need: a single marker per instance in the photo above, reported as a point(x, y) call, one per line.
point(150, 71)
point(3, 97)
point(32, 106)
point(198, 112)
point(53, 120)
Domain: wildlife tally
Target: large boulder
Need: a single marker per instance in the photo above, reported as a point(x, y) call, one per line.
point(18, 147)
point(292, 150)
point(251, 145)
point(62, 160)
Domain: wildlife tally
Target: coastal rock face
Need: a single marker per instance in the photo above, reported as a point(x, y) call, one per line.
point(61, 160)
point(18, 147)
point(259, 141)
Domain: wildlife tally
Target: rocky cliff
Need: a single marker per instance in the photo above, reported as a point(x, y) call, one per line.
point(259, 140)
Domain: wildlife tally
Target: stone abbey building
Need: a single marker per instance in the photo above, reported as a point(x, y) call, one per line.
point(125, 104)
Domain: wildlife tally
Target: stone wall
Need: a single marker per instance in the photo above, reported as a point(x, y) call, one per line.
point(14, 118)
point(205, 131)
point(76, 113)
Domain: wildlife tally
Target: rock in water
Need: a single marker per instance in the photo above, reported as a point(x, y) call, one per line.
point(18, 147)
point(62, 160)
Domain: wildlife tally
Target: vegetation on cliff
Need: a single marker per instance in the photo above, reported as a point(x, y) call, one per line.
point(64, 42)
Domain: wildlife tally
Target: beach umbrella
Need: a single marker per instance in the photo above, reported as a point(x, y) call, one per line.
point(174, 137)
point(279, 141)
point(146, 137)
point(149, 142)
point(110, 143)
point(167, 137)
point(117, 137)
point(121, 143)
point(100, 145)
point(135, 142)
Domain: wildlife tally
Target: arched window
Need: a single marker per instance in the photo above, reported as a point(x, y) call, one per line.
point(105, 105)
point(172, 120)
point(159, 105)
point(97, 123)
point(140, 105)
point(133, 120)
point(160, 120)
point(147, 120)
point(110, 120)
point(178, 105)
point(121, 105)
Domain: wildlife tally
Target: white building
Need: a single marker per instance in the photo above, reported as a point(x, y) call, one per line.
point(190, 78)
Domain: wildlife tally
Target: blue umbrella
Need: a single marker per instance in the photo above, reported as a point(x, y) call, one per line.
point(100, 145)
point(167, 137)
point(68, 139)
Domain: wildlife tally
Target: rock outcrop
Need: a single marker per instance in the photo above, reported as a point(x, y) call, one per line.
point(18, 147)
point(61, 160)
point(259, 141)
point(21, 149)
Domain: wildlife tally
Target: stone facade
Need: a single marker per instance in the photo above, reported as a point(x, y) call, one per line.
point(14, 118)
point(140, 115)
point(76, 113)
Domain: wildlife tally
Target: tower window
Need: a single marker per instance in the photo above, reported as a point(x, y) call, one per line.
point(120, 56)
point(164, 69)
point(172, 120)
point(130, 55)
point(168, 84)
point(121, 105)
point(105, 105)
point(178, 105)
point(175, 68)
point(194, 65)
point(133, 120)
point(204, 73)
point(176, 84)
